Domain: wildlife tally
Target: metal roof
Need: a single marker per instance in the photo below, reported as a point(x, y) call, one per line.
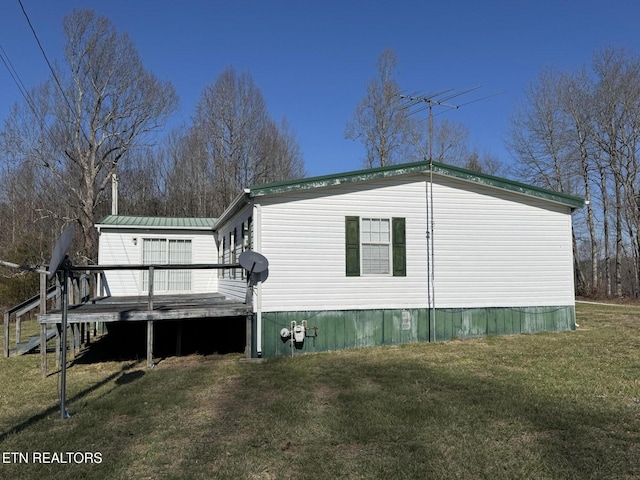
point(127, 221)
point(417, 167)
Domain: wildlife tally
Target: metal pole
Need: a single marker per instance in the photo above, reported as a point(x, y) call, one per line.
point(43, 326)
point(63, 346)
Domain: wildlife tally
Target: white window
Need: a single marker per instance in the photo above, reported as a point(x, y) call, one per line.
point(162, 251)
point(376, 246)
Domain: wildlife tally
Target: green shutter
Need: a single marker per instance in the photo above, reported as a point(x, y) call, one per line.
point(352, 242)
point(399, 247)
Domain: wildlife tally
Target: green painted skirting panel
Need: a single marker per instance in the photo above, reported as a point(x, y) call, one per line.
point(340, 329)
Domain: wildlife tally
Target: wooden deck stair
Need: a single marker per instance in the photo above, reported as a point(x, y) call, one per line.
point(32, 344)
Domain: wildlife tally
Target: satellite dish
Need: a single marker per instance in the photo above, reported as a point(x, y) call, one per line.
point(253, 262)
point(60, 250)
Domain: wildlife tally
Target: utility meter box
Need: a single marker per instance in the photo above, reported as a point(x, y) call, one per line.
point(298, 334)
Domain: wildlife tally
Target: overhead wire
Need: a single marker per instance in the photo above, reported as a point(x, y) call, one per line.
point(55, 78)
point(44, 54)
point(4, 57)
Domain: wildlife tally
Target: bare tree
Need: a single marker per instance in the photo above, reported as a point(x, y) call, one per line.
point(576, 96)
point(281, 153)
point(450, 141)
point(380, 122)
point(539, 135)
point(580, 133)
point(617, 132)
point(235, 142)
point(101, 107)
point(189, 186)
point(542, 139)
point(140, 184)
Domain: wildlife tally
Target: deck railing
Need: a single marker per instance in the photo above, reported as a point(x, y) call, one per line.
point(104, 287)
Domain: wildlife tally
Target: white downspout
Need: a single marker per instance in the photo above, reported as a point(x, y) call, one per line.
point(257, 304)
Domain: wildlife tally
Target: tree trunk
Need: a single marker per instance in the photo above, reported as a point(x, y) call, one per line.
point(605, 230)
point(619, 245)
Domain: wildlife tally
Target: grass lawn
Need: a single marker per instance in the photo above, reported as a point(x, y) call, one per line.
point(557, 405)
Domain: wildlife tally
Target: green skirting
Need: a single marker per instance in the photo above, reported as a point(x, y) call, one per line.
point(340, 329)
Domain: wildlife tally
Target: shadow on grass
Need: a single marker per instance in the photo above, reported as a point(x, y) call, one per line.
point(573, 439)
point(404, 419)
point(121, 377)
point(378, 414)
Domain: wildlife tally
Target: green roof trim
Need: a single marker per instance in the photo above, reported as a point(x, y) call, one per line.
point(573, 201)
point(417, 167)
point(127, 221)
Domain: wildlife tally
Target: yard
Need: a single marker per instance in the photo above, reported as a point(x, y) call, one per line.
point(551, 405)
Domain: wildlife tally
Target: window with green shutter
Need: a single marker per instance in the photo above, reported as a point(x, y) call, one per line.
point(375, 246)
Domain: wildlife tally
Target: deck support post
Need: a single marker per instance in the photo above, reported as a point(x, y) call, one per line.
point(78, 339)
point(248, 338)
point(5, 346)
point(43, 326)
point(71, 340)
point(18, 329)
point(43, 349)
point(150, 304)
point(150, 343)
point(58, 343)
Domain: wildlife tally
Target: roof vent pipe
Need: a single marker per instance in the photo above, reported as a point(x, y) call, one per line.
point(114, 194)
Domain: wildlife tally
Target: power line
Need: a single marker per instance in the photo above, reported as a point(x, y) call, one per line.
point(53, 73)
point(16, 78)
point(55, 77)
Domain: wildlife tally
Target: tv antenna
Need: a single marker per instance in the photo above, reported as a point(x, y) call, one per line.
point(439, 99)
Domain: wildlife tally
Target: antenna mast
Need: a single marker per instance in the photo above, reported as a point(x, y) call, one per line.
point(439, 99)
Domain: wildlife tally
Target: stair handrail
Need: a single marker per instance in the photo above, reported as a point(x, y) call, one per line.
point(21, 309)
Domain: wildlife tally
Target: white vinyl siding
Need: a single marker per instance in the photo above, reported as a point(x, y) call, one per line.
point(235, 235)
point(492, 247)
point(303, 237)
point(500, 249)
point(124, 246)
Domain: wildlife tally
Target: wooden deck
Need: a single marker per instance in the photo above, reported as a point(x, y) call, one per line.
point(136, 309)
point(87, 305)
point(147, 309)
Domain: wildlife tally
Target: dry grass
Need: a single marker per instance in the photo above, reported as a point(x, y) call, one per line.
point(562, 405)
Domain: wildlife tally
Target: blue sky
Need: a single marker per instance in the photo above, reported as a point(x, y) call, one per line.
point(312, 59)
